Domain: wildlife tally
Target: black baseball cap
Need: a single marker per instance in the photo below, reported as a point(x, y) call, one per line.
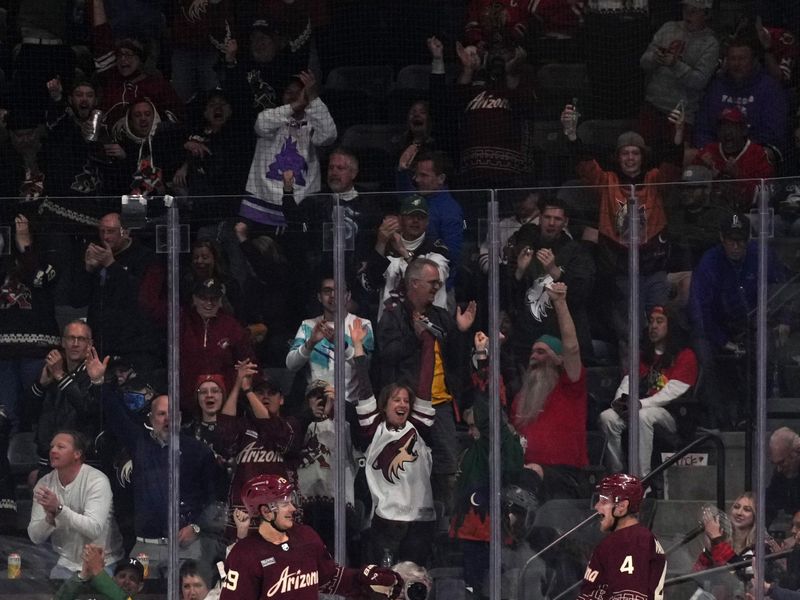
point(735, 226)
point(130, 563)
point(414, 204)
point(264, 26)
point(268, 385)
point(209, 288)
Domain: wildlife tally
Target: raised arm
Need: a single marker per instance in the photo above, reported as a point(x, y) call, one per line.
point(569, 338)
point(358, 334)
point(469, 63)
point(98, 13)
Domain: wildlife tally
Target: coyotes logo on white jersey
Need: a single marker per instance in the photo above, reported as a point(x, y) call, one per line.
point(537, 300)
point(396, 454)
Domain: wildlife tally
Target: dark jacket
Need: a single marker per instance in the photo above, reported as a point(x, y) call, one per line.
point(527, 299)
point(28, 327)
point(72, 403)
point(151, 471)
point(118, 325)
point(401, 351)
point(723, 295)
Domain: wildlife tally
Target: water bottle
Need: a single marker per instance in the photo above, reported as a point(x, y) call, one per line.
point(388, 560)
point(571, 127)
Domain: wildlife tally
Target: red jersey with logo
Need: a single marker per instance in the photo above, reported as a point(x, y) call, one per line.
point(495, 20)
point(198, 23)
point(299, 569)
point(751, 163)
point(785, 50)
point(657, 376)
point(629, 564)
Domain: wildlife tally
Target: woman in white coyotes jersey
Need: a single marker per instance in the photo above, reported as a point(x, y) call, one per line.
point(398, 466)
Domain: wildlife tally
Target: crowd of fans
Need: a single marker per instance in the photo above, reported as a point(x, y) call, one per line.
point(221, 106)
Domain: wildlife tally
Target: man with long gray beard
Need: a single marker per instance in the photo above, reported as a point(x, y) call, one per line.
point(549, 412)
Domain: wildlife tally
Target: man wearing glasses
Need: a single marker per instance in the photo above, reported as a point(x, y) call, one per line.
point(65, 396)
point(423, 345)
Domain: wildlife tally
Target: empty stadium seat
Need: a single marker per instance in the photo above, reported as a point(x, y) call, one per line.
point(557, 85)
point(358, 94)
point(374, 79)
point(551, 151)
point(22, 453)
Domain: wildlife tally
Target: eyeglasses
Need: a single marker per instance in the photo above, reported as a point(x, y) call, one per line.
point(434, 283)
point(76, 339)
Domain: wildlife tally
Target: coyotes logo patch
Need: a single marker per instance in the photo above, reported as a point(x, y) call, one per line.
point(396, 454)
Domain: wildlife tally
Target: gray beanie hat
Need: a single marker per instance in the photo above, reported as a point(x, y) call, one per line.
point(630, 138)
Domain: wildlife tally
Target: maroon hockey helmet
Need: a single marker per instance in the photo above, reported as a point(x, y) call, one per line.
point(620, 486)
point(266, 489)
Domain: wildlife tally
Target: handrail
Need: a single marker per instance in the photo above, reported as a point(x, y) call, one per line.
point(720, 448)
point(726, 567)
point(521, 576)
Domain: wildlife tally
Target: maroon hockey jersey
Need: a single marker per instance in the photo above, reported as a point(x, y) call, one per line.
point(299, 569)
point(629, 564)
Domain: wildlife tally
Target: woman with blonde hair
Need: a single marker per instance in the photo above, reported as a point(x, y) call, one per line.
point(730, 538)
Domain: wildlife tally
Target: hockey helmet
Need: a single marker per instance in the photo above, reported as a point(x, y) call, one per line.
point(620, 486)
point(266, 489)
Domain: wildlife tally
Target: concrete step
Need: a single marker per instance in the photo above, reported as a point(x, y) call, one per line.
point(699, 482)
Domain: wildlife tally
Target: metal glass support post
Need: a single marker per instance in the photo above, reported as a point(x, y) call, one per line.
point(495, 415)
point(633, 334)
point(339, 483)
point(760, 446)
point(173, 368)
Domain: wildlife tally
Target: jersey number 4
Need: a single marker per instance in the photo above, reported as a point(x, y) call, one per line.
point(627, 565)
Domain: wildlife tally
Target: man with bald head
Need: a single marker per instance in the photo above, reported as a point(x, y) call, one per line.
point(108, 282)
point(783, 492)
point(149, 449)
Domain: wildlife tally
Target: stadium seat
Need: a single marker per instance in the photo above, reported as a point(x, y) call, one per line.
point(357, 94)
point(602, 134)
point(557, 85)
point(374, 80)
point(371, 144)
point(22, 453)
point(411, 85)
point(551, 152)
point(413, 77)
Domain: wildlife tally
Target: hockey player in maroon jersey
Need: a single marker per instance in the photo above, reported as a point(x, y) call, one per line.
point(629, 564)
point(287, 560)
